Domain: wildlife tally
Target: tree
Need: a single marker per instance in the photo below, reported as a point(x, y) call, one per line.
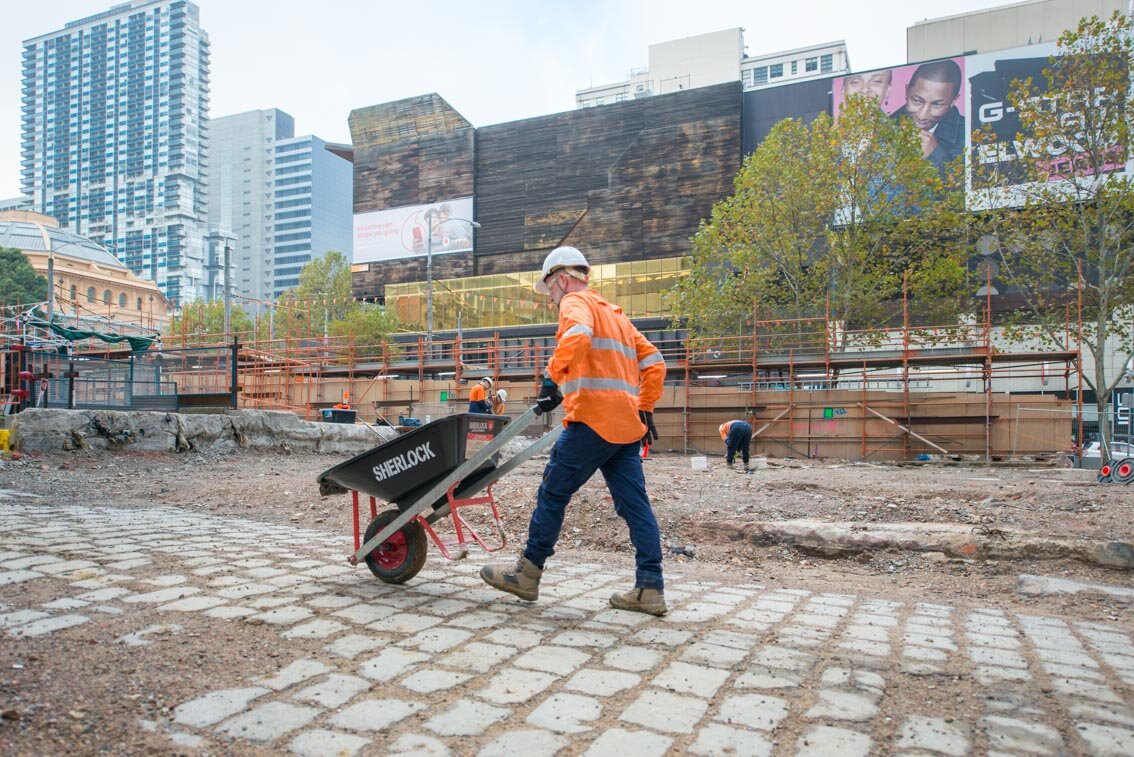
point(322, 296)
point(19, 283)
point(203, 322)
point(320, 305)
point(323, 304)
point(1060, 206)
point(832, 211)
point(371, 326)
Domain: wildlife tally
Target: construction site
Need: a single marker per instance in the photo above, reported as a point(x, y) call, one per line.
point(181, 489)
point(190, 583)
point(810, 388)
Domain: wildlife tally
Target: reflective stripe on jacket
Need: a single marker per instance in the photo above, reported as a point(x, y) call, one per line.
point(606, 370)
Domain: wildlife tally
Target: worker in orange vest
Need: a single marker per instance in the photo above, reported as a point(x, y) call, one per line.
point(478, 397)
point(737, 436)
point(608, 377)
point(499, 397)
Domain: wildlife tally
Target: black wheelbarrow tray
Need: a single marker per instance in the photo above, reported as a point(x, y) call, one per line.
point(427, 474)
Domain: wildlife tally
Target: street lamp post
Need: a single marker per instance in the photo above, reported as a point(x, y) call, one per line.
point(429, 216)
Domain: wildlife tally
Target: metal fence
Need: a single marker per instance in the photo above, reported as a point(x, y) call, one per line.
point(172, 380)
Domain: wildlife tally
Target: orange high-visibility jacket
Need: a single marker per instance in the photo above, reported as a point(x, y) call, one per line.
point(724, 429)
point(478, 393)
point(606, 370)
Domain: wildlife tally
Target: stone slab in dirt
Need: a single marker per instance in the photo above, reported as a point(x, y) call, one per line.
point(1048, 586)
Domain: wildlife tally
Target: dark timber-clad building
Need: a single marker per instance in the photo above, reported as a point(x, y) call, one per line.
point(628, 184)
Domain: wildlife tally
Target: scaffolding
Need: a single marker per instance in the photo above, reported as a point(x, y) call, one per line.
point(811, 387)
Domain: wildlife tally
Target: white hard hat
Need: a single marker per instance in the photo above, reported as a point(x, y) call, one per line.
point(560, 257)
point(488, 379)
point(502, 395)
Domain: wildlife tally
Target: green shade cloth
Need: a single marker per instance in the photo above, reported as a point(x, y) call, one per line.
point(137, 343)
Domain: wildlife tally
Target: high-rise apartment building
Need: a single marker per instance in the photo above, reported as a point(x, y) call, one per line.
point(311, 208)
point(115, 141)
point(242, 153)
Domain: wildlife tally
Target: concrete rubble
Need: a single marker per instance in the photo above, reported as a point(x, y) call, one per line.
point(955, 540)
point(59, 430)
point(52, 430)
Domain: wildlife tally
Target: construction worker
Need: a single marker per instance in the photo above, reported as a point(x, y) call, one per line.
point(499, 397)
point(478, 397)
point(737, 436)
point(608, 376)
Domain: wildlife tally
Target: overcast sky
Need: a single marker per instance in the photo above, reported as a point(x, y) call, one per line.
point(493, 60)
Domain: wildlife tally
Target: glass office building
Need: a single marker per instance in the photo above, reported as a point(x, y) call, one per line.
point(509, 299)
point(311, 208)
point(114, 136)
point(242, 158)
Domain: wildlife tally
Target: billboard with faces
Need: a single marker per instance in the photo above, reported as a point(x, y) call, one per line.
point(931, 95)
point(948, 99)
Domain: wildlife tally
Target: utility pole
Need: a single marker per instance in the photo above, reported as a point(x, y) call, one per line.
point(227, 289)
point(429, 276)
point(50, 284)
point(429, 216)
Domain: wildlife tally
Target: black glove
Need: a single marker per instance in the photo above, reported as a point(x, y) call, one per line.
point(549, 397)
point(651, 430)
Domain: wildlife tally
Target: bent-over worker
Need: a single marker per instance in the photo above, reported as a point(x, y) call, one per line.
point(737, 436)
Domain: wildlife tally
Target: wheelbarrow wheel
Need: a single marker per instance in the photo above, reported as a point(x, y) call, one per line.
point(399, 558)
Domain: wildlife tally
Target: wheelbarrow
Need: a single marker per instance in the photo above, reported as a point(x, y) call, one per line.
point(428, 474)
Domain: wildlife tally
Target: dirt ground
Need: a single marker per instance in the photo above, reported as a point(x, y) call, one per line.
point(1052, 501)
point(69, 693)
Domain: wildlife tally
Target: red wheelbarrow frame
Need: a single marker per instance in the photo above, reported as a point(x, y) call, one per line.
point(460, 525)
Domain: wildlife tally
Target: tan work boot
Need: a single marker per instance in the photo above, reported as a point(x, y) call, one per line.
point(649, 601)
point(521, 580)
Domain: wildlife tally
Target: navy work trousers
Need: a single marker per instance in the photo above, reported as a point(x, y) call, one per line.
point(739, 437)
point(574, 459)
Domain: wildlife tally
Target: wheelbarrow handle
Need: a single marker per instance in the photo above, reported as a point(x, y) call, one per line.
point(511, 431)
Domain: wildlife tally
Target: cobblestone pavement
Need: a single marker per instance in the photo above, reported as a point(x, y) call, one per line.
point(444, 665)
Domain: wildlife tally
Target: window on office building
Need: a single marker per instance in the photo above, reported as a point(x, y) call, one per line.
point(761, 75)
point(826, 63)
point(794, 63)
point(811, 64)
point(776, 71)
point(90, 294)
